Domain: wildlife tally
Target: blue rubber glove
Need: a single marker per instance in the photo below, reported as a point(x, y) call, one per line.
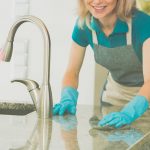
point(128, 114)
point(67, 103)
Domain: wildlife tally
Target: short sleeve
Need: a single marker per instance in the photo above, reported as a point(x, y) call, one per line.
point(79, 35)
point(141, 31)
point(143, 27)
point(145, 33)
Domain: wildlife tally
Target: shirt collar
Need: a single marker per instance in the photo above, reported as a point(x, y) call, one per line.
point(120, 26)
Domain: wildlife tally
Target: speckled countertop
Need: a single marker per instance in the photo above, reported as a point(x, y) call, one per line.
point(16, 108)
point(26, 132)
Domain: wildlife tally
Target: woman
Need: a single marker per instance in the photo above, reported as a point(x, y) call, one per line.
point(119, 35)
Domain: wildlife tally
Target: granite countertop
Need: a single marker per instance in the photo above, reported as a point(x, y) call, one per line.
point(16, 108)
point(68, 132)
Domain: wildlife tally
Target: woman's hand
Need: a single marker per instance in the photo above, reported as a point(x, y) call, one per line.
point(128, 114)
point(67, 103)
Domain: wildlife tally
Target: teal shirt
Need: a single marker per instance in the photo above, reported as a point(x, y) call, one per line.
point(140, 32)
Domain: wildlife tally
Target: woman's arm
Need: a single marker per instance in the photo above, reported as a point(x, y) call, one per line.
point(74, 65)
point(145, 89)
point(69, 93)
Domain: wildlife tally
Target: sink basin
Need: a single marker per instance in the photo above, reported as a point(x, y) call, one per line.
point(16, 108)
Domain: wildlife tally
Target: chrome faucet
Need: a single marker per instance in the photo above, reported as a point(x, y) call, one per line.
point(41, 96)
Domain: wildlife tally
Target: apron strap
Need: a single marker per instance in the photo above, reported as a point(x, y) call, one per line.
point(129, 34)
point(94, 37)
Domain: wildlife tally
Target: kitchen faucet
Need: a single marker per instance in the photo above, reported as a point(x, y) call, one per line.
point(41, 96)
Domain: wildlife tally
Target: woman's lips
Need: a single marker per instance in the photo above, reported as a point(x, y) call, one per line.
point(99, 9)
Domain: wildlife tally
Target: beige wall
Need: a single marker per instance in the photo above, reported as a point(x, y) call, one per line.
point(59, 17)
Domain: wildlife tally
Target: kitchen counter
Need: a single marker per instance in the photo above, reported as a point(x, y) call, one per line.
point(68, 132)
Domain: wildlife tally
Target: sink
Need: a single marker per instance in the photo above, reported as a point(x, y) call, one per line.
point(16, 108)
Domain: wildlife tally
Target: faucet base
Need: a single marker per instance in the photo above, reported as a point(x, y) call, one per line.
point(45, 102)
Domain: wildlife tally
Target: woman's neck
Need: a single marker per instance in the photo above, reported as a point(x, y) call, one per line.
point(108, 24)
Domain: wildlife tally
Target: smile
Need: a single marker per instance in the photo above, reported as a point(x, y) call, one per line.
point(99, 8)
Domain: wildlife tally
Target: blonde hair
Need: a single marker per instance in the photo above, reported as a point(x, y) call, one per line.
point(123, 9)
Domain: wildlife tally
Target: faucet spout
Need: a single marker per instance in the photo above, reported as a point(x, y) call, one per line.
point(33, 88)
point(45, 102)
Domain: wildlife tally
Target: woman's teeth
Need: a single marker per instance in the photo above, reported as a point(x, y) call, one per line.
point(99, 7)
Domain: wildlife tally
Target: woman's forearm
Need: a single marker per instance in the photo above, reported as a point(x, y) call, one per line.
point(145, 90)
point(70, 79)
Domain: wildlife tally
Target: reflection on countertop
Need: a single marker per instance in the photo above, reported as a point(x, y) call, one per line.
point(40, 137)
point(68, 132)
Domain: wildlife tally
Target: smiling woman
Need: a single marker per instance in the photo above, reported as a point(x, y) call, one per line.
point(101, 8)
point(118, 36)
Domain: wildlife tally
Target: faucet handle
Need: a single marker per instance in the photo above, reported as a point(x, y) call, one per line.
point(30, 84)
